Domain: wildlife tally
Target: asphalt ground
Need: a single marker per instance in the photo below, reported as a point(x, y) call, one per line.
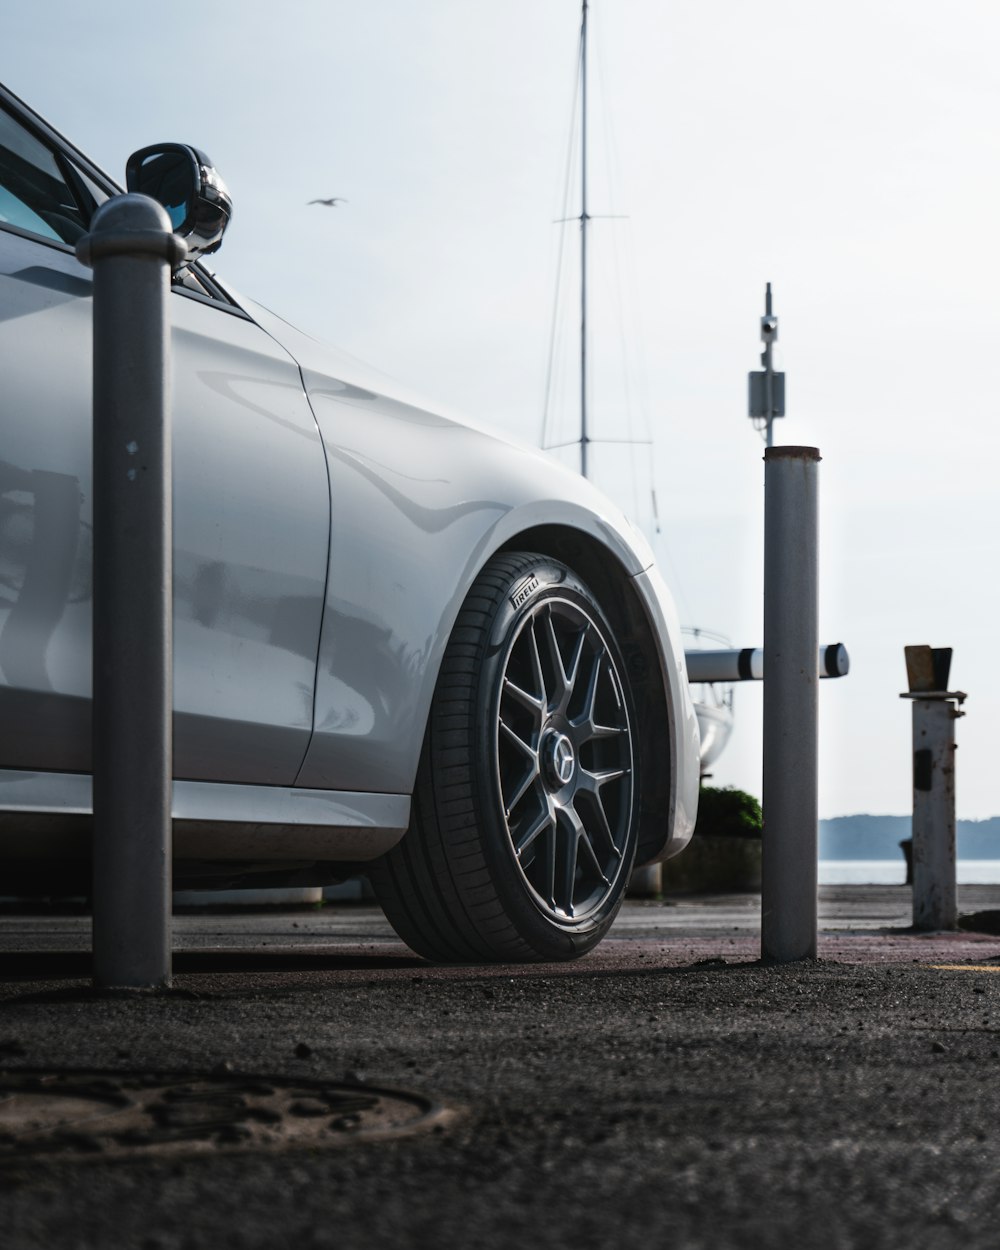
point(668, 1089)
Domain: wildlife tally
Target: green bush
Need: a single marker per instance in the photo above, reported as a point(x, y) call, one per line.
point(728, 813)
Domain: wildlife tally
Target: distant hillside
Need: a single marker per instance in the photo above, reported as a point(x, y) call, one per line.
point(878, 837)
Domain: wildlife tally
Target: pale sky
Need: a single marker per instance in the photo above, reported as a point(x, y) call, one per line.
point(849, 153)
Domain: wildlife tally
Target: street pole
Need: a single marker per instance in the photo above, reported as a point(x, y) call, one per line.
point(584, 218)
point(132, 251)
point(791, 702)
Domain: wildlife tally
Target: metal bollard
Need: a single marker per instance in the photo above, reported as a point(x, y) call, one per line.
point(791, 702)
point(132, 251)
point(935, 710)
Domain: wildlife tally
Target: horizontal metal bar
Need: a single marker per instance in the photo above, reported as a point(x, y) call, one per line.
point(747, 663)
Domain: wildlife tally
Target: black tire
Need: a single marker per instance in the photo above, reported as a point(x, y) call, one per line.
point(525, 815)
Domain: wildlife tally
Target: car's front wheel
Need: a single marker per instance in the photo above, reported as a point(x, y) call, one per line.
point(525, 814)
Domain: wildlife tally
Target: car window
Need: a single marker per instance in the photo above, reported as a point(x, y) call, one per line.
point(35, 187)
point(15, 212)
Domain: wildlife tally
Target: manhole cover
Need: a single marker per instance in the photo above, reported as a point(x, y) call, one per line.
point(107, 1115)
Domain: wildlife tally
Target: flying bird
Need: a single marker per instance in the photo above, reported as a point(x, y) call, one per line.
point(332, 202)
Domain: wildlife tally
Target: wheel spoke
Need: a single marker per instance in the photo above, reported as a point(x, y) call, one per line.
point(600, 818)
point(519, 742)
point(525, 785)
point(541, 823)
point(564, 678)
point(572, 829)
point(550, 865)
point(536, 664)
point(600, 777)
point(523, 697)
point(588, 847)
point(574, 665)
point(587, 721)
point(586, 716)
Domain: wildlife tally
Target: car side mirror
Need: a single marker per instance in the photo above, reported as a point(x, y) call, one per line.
point(185, 182)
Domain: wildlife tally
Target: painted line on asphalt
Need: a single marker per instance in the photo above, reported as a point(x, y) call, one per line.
point(965, 967)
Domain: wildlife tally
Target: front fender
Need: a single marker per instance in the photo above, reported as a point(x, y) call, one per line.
point(419, 504)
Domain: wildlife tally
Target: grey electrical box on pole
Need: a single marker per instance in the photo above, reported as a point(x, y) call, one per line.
point(789, 911)
point(766, 387)
point(132, 250)
point(935, 711)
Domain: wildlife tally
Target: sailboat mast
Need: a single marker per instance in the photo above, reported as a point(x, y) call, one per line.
point(583, 243)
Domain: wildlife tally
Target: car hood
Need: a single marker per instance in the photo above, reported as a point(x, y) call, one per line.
point(329, 370)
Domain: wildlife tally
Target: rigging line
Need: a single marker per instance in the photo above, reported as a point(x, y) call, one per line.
point(628, 274)
point(630, 413)
point(638, 332)
point(627, 278)
point(546, 413)
point(557, 330)
point(560, 363)
point(642, 372)
point(552, 404)
point(634, 478)
point(663, 553)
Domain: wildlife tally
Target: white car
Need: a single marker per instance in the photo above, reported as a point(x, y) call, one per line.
point(403, 646)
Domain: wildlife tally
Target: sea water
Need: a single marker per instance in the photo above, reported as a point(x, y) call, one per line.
point(893, 871)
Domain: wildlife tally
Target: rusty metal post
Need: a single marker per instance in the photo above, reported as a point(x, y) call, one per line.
point(132, 250)
point(789, 910)
point(935, 711)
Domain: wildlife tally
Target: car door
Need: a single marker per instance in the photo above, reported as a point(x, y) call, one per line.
point(251, 503)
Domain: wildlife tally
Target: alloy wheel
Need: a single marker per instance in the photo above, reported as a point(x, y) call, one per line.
point(564, 752)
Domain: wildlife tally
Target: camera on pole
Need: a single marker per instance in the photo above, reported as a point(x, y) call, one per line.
point(767, 388)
